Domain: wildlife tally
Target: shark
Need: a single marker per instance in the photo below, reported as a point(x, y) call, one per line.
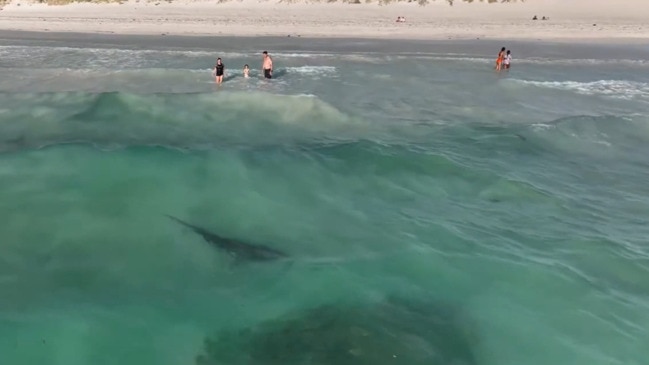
point(238, 249)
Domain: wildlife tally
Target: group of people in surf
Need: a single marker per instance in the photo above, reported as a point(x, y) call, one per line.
point(266, 67)
point(504, 59)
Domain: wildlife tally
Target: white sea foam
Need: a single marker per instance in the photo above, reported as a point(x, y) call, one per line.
point(134, 57)
point(542, 126)
point(622, 89)
point(312, 70)
point(20, 52)
point(581, 61)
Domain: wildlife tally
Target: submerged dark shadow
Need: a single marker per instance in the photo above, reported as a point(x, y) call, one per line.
point(395, 331)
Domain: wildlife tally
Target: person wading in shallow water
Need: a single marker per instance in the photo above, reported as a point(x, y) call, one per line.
point(219, 70)
point(508, 59)
point(500, 59)
point(267, 65)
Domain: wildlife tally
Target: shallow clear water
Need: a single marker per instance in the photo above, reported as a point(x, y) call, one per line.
point(520, 198)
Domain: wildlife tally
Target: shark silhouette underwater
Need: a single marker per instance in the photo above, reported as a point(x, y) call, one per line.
point(238, 249)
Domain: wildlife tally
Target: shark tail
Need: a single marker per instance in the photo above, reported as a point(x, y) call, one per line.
point(180, 221)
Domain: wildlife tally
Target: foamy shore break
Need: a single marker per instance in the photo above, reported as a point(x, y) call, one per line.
point(585, 20)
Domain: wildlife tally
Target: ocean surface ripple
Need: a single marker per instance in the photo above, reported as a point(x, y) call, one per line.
point(433, 211)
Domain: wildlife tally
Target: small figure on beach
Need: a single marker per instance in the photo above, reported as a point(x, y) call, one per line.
point(267, 65)
point(508, 59)
point(401, 19)
point(535, 18)
point(246, 71)
point(499, 60)
point(219, 70)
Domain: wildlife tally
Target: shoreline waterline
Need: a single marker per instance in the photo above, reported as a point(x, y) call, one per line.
point(577, 48)
point(631, 40)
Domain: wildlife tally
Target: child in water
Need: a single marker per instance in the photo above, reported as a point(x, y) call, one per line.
point(508, 59)
point(246, 71)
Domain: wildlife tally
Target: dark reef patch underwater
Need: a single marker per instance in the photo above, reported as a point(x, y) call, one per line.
point(394, 331)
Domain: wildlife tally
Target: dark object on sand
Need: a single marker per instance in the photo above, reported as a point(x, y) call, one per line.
point(393, 332)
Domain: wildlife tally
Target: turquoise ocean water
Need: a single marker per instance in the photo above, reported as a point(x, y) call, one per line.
point(511, 208)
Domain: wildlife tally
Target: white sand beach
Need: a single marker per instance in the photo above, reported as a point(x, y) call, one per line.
point(584, 20)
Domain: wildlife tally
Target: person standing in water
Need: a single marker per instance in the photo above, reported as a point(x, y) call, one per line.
point(508, 59)
point(499, 60)
point(219, 70)
point(246, 71)
point(267, 65)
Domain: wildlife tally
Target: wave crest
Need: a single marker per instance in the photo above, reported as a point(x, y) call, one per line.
point(115, 118)
point(621, 89)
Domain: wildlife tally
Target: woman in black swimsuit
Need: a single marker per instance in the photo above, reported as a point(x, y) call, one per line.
point(219, 70)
